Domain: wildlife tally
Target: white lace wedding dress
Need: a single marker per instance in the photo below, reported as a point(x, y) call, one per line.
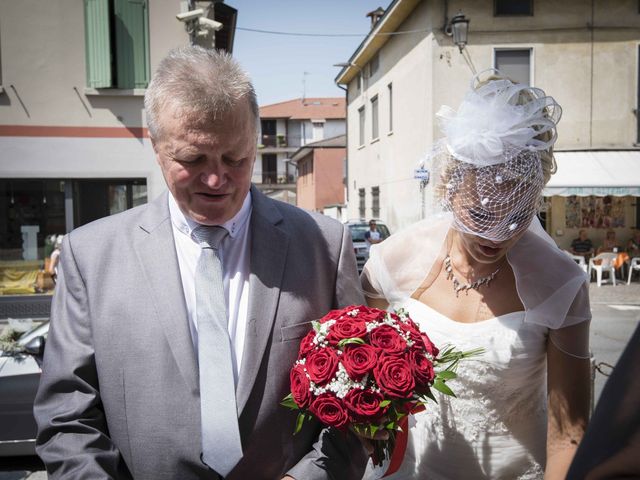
point(496, 427)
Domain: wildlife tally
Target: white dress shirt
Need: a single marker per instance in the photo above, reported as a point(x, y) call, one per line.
point(234, 254)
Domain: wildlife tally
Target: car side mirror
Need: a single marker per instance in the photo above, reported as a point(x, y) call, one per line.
point(35, 346)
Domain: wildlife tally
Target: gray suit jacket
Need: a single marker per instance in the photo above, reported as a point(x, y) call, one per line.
point(119, 392)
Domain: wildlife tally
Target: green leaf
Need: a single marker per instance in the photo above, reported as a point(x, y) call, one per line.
point(384, 403)
point(446, 375)
point(430, 395)
point(391, 426)
point(299, 422)
point(442, 387)
point(289, 402)
point(316, 325)
point(346, 341)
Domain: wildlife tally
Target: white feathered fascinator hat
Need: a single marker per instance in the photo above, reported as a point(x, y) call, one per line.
point(488, 167)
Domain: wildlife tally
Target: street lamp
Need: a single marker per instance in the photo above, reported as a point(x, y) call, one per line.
point(460, 30)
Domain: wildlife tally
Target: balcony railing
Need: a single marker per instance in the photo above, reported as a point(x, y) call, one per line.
point(271, 178)
point(279, 141)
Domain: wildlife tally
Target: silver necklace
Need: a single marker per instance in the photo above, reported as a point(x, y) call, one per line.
point(475, 285)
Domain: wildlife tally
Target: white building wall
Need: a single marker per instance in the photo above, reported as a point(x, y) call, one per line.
point(333, 128)
point(306, 132)
point(389, 161)
point(593, 74)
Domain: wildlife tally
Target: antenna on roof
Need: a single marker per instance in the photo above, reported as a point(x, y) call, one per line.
point(304, 85)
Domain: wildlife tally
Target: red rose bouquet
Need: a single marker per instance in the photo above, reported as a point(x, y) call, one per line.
point(366, 369)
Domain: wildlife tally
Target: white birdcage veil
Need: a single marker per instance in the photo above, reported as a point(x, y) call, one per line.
point(488, 168)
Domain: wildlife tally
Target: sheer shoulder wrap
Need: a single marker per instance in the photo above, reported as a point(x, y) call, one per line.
point(551, 286)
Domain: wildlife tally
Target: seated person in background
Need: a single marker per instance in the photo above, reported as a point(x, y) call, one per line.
point(633, 245)
point(610, 243)
point(582, 245)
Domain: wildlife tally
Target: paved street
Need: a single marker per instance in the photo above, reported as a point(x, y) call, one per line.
point(616, 313)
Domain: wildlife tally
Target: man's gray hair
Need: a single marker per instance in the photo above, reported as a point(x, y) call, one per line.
point(201, 84)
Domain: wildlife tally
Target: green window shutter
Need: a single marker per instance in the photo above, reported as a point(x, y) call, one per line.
point(97, 43)
point(132, 43)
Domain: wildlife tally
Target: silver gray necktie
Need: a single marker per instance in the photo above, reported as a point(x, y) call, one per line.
point(221, 445)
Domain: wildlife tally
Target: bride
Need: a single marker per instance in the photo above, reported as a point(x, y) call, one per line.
point(485, 274)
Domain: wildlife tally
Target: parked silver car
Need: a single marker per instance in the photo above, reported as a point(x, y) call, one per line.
point(358, 228)
point(19, 377)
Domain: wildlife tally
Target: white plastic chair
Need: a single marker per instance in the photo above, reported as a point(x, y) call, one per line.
point(579, 259)
point(634, 265)
point(606, 265)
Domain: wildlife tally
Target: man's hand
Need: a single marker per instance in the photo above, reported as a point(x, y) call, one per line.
point(367, 439)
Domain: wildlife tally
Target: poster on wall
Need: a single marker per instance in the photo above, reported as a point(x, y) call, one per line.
point(573, 213)
point(594, 212)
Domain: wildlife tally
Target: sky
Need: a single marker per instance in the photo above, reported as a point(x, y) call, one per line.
point(277, 63)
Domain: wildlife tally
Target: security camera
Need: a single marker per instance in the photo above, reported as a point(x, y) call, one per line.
point(190, 15)
point(209, 24)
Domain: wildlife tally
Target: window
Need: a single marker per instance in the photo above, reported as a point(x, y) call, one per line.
point(390, 92)
point(374, 64)
point(361, 206)
point(361, 120)
point(268, 128)
point(358, 83)
point(374, 117)
point(375, 202)
point(269, 168)
point(117, 43)
point(515, 64)
point(638, 115)
point(512, 7)
point(34, 212)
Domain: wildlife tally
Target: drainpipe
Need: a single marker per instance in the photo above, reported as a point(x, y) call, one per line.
point(346, 137)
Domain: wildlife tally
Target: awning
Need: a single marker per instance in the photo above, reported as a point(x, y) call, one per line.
point(595, 172)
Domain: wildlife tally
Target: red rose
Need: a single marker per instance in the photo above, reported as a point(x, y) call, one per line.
point(414, 332)
point(358, 360)
point(346, 328)
point(422, 367)
point(429, 346)
point(322, 365)
point(388, 339)
point(330, 410)
point(307, 344)
point(300, 386)
point(369, 314)
point(394, 376)
point(365, 405)
point(333, 315)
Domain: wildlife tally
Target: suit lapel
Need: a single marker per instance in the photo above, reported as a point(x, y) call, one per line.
point(269, 246)
point(157, 253)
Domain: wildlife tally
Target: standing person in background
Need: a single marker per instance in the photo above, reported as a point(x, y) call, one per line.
point(175, 324)
point(54, 259)
point(372, 236)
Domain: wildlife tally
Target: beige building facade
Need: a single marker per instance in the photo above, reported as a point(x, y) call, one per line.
point(73, 139)
point(583, 53)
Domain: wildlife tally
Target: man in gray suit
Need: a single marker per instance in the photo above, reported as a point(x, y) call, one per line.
point(129, 388)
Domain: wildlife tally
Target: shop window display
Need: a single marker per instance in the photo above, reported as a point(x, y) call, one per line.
point(35, 213)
